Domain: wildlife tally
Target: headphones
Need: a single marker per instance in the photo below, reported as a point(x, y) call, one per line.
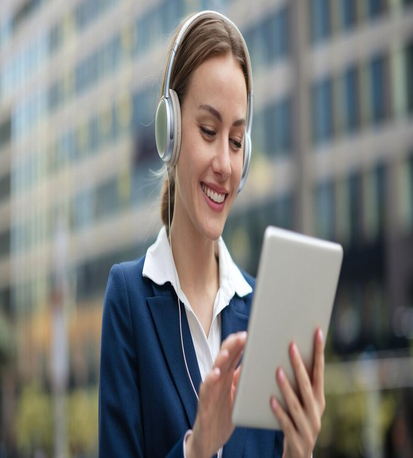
point(168, 113)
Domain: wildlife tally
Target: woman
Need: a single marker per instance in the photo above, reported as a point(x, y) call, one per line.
point(167, 384)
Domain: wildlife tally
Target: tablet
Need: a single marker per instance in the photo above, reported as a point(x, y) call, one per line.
point(294, 295)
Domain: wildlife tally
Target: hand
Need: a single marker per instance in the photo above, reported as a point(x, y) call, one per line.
point(213, 425)
point(303, 422)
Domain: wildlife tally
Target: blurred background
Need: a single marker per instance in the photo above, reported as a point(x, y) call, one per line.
point(332, 157)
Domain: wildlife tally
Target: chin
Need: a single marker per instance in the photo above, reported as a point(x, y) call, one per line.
point(212, 231)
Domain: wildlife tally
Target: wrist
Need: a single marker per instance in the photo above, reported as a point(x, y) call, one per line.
point(193, 448)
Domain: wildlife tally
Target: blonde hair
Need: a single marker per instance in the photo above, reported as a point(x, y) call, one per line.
point(209, 36)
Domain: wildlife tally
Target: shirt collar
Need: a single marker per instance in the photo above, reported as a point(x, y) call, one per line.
point(159, 267)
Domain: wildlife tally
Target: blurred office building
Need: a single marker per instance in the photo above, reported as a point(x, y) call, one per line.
point(332, 157)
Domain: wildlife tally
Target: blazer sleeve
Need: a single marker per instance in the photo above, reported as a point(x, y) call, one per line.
point(120, 425)
point(121, 430)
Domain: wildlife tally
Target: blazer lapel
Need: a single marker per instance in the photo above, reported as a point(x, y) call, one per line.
point(164, 310)
point(234, 318)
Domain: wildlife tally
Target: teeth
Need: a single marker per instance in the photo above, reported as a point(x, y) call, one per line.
point(216, 197)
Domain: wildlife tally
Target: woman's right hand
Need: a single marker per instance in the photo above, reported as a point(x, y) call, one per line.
point(213, 425)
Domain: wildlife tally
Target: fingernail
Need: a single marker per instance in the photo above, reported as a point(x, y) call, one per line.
point(244, 334)
point(320, 336)
point(217, 371)
point(294, 351)
point(274, 404)
point(281, 375)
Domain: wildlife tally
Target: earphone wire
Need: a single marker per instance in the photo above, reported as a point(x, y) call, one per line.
point(178, 286)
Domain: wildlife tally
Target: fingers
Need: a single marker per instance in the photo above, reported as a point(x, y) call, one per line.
point(230, 352)
point(236, 376)
point(305, 388)
point(295, 409)
point(288, 427)
point(318, 370)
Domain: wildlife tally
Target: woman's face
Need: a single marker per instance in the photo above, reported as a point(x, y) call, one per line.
point(211, 158)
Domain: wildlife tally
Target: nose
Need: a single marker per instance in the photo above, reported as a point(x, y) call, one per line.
point(221, 163)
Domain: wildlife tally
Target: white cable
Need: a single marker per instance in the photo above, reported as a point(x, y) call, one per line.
point(178, 285)
point(179, 289)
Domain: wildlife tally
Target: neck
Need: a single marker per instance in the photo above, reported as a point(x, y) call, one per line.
point(195, 260)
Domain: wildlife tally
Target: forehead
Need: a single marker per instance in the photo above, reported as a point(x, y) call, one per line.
point(220, 82)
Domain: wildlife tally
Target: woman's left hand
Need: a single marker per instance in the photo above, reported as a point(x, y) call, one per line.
point(302, 423)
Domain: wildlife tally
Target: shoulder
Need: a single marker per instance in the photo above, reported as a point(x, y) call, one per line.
point(127, 278)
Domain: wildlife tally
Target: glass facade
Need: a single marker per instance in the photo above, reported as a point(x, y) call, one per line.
point(77, 144)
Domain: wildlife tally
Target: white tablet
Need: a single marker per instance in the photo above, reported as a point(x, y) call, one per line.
point(294, 295)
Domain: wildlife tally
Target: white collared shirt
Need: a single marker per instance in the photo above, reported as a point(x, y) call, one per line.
point(159, 266)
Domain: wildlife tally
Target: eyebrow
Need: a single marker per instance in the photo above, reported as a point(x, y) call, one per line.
point(217, 114)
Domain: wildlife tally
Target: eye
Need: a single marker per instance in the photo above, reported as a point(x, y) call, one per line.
point(207, 132)
point(237, 145)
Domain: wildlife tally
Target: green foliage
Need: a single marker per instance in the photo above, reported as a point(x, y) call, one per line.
point(34, 421)
point(83, 422)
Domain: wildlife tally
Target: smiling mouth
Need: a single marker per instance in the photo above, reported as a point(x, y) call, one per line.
point(213, 195)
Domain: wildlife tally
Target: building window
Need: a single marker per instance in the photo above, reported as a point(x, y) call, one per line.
point(84, 209)
point(5, 132)
point(320, 16)
point(268, 41)
point(375, 8)
point(322, 110)
point(283, 211)
point(409, 76)
point(107, 200)
point(348, 14)
point(325, 210)
point(5, 243)
point(351, 99)
point(277, 128)
point(378, 89)
point(275, 36)
point(355, 207)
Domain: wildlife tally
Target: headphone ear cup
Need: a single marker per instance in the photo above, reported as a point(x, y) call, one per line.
point(176, 112)
point(164, 129)
point(247, 160)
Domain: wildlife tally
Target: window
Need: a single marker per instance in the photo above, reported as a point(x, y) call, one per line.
point(348, 14)
point(320, 16)
point(84, 209)
point(283, 209)
point(351, 99)
point(378, 89)
point(5, 187)
point(107, 201)
point(325, 210)
point(322, 110)
point(275, 36)
point(268, 41)
point(277, 127)
point(375, 201)
point(5, 132)
point(375, 8)
point(355, 208)
point(5, 243)
point(409, 76)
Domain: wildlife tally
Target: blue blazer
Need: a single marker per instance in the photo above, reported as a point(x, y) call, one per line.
point(146, 402)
